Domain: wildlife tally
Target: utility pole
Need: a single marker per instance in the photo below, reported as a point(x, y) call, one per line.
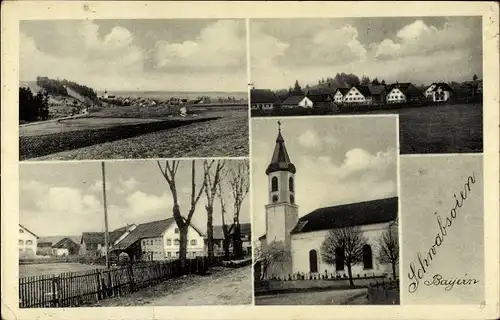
point(106, 234)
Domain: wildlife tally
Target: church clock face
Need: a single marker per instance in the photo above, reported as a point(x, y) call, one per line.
point(275, 198)
point(292, 199)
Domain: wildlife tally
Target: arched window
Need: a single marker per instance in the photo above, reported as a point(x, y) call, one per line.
point(275, 198)
point(290, 184)
point(29, 242)
point(313, 261)
point(339, 259)
point(21, 242)
point(367, 257)
point(292, 199)
point(274, 184)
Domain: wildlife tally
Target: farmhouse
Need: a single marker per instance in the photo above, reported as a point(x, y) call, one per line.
point(246, 236)
point(261, 99)
point(441, 92)
point(27, 242)
point(293, 102)
point(94, 243)
point(358, 95)
point(338, 96)
point(403, 92)
point(65, 247)
point(159, 240)
point(304, 236)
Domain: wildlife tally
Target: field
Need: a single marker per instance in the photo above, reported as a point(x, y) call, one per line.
point(29, 270)
point(129, 132)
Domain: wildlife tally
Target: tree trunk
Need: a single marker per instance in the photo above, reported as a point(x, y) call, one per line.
point(394, 270)
point(210, 233)
point(237, 244)
point(349, 272)
point(183, 246)
point(225, 244)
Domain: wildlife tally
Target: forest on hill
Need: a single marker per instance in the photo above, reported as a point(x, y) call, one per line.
point(57, 86)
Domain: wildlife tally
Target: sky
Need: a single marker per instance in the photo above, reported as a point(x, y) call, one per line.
point(66, 198)
point(163, 55)
point(420, 50)
point(338, 160)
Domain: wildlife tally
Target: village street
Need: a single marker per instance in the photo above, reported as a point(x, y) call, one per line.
point(331, 297)
point(223, 286)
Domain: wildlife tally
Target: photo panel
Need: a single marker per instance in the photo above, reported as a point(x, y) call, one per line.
point(134, 88)
point(325, 210)
point(428, 70)
point(135, 233)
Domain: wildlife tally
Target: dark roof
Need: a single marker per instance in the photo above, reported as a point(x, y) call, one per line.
point(263, 96)
point(360, 213)
point(55, 239)
point(146, 230)
point(28, 230)
point(318, 97)
point(280, 160)
point(376, 89)
point(99, 237)
point(406, 88)
point(61, 243)
point(245, 228)
point(330, 91)
point(293, 100)
point(442, 85)
point(343, 90)
point(364, 90)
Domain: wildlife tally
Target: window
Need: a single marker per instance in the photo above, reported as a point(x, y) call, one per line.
point(143, 242)
point(21, 231)
point(275, 198)
point(29, 242)
point(274, 184)
point(176, 241)
point(367, 257)
point(170, 254)
point(313, 261)
point(176, 230)
point(290, 184)
point(193, 242)
point(177, 254)
point(292, 199)
point(21, 242)
point(169, 242)
point(339, 259)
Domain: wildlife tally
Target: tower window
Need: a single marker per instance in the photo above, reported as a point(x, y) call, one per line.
point(275, 198)
point(292, 199)
point(290, 184)
point(274, 184)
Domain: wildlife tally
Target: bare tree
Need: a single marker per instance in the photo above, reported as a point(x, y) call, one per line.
point(346, 245)
point(272, 257)
point(239, 180)
point(388, 248)
point(211, 182)
point(183, 223)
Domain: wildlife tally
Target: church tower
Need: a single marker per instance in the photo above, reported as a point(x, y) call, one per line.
point(281, 211)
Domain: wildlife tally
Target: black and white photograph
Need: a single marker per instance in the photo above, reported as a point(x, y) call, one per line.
point(428, 70)
point(325, 210)
point(121, 89)
point(135, 233)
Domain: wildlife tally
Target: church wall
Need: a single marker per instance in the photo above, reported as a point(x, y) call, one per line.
point(275, 224)
point(304, 242)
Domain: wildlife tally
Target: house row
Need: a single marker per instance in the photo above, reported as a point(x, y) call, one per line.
point(355, 95)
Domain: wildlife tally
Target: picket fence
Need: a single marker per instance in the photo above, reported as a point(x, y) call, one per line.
point(74, 289)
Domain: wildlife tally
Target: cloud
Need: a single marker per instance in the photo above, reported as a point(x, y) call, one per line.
point(309, 139)
point(418, 39)
point(220, 45)
point(140, 202)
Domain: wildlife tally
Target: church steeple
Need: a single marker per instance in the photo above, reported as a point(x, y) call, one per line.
point(280, 160)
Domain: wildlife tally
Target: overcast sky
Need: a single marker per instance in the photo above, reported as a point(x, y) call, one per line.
point(66, 198)
point(338, 160)
point(420, 49)
point(170, 55)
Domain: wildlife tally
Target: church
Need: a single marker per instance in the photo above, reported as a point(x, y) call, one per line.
point(303, 236)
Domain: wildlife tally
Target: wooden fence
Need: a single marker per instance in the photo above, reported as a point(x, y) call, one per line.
point(74, 289)
point(385, 292)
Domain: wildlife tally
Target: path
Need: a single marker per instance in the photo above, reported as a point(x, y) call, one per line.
point(331, 297)
point(223, 287)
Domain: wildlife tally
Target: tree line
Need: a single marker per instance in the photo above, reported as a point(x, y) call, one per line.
point(57, 86)
point(32, 107)
point(221, 178)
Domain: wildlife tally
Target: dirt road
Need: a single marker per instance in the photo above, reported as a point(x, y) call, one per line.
point(223, 287)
